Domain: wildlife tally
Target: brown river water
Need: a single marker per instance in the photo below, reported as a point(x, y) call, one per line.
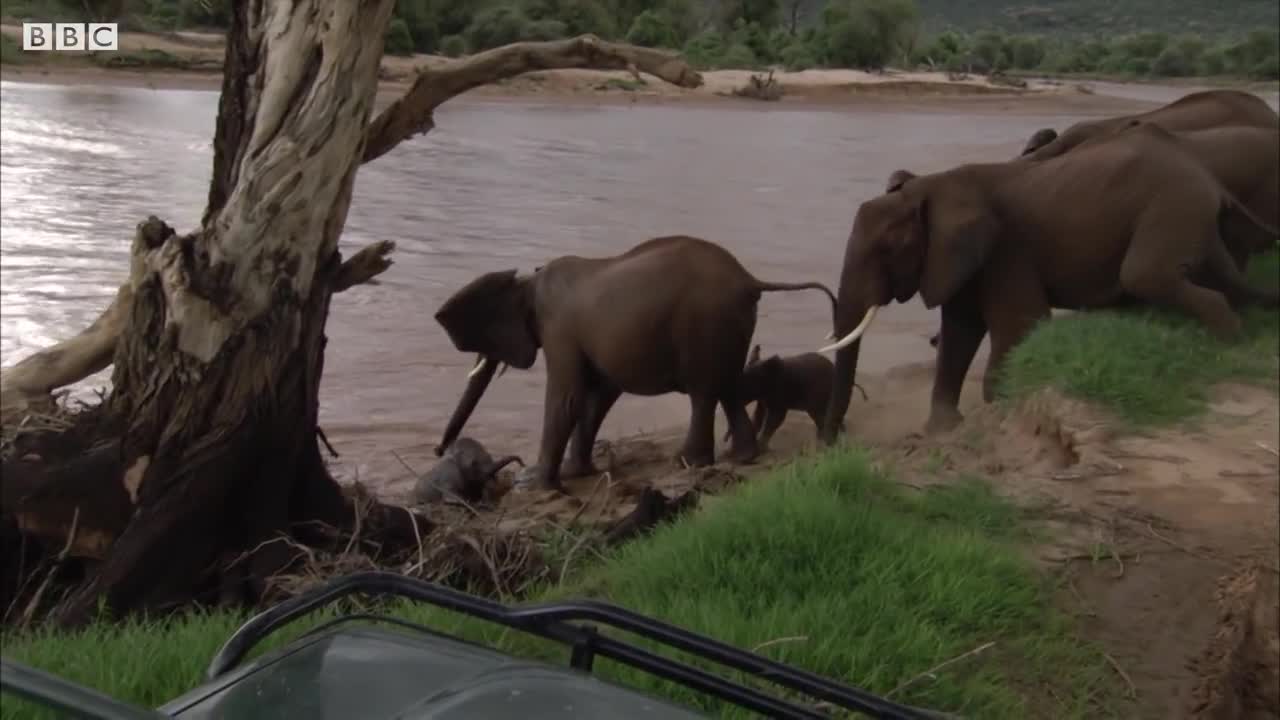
point(497, 184)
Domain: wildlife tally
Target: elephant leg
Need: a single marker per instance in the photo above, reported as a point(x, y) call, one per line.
point(758, 417)
point(699, 443)
point(771, 424)
point(963, 328)
point(596, 406)
point(565, 389)
point(1153, 270)
point(745, 446)
point(1013, 301)
point(1222, 266)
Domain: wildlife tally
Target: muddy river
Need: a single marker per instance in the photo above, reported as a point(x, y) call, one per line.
point(496, 185)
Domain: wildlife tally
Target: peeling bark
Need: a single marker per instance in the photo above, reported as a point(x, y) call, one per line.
point(219, 357)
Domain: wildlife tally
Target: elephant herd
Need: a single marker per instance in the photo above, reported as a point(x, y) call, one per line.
point(1163, 207)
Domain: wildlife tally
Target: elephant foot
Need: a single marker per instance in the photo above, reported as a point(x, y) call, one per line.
point(697, 458)
point(745, 456)
point(942, 419)
point(578, 468)
point(532, 478)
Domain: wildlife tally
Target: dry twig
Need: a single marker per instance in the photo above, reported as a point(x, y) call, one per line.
point(1133, 690)
point(930, 672)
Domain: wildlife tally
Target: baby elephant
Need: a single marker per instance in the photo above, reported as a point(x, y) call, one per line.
point(778, 385)
point(461, 473)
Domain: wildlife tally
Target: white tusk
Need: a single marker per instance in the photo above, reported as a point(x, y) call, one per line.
point(501, 369)
point(830, 336)
point(480, 363)
point(856, 333)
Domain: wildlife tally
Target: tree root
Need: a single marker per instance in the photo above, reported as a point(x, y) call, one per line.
point(652, 508)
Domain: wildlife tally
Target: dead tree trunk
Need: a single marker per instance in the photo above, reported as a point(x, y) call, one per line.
point(218, 336)
point(218, 365)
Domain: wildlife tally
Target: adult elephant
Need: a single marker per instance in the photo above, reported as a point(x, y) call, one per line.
point(1194, 111)
point(1244, 158)
point(997, 245)
point(673, 314)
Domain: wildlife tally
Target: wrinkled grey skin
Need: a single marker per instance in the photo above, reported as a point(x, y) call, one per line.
point(462, 473)
point(778, 385)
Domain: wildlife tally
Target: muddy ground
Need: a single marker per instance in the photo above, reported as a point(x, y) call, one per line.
point(1163, 543)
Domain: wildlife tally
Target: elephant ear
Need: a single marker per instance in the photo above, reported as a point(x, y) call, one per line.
point(959, 235)
point(1039, 139)
point(490, 316)
point(897, 179)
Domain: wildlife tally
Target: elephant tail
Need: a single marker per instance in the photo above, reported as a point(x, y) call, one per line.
point(775, 287)
point(1237, 221)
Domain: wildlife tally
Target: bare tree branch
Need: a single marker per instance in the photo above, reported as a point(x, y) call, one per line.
point(412, 114)
point(362, 267)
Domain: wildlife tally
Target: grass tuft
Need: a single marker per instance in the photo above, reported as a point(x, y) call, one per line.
point(1148, 366)
point(853, 576)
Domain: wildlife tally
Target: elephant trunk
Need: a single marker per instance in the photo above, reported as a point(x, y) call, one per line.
point(846, 370)
point(477, 383)
point(500, 463)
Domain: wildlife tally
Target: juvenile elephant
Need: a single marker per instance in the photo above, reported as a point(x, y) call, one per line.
point(462, 473)
point(673, 314)
point(997, 245)
point(778, 385)
point(1193, 111)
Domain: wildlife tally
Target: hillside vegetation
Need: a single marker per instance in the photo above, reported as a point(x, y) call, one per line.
point(1136, 38)
point(1106, 17)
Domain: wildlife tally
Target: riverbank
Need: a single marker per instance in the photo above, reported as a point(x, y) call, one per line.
point(192, 61)
point(1050, 541)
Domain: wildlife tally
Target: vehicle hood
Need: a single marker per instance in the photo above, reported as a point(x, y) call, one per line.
point(372, 674)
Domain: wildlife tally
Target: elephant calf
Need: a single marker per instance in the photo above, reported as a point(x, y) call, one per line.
point(778, 385)
point(672, 314)
point(462, 473)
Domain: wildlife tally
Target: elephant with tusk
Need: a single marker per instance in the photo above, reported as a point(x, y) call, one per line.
point(672, 314)
point(1130, 218)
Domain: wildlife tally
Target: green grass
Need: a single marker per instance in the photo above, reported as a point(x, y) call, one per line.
point(873, 584)
point(1149, 367)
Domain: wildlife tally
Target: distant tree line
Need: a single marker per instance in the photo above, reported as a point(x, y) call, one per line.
point(864, 34)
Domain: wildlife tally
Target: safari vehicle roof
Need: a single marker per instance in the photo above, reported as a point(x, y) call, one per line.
point(348, 669)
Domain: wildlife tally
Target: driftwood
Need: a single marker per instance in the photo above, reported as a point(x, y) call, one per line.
point(760, 87)
point(200, 476)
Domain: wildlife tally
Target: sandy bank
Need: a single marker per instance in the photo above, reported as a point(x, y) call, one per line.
point(192, 61)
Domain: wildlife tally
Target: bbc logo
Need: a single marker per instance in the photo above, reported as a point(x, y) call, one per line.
point(70, 36)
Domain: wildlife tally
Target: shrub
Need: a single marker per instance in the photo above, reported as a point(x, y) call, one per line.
point(454, 46)
point(398, 40)
point(653, 28)
point(542, 30)
point(496, 26)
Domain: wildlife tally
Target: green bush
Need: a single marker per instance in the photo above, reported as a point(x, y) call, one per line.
point(541, 30)
point(1267, 69)
point(653, 28)
point(739, 57)
point(798, 56)
point(398, 41)
point(454, 46)
point(496, 26)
